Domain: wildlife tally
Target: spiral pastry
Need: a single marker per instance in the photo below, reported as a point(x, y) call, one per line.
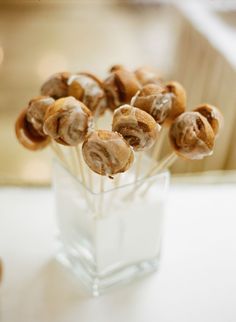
point(36, 112)
point(87, 88)
point(56, 86)
point(147, 75)
point(120, 87)
point(107, 153)
point(178, 100)
point(68, 121)
point(192, 136)
point(155, 100)
point(213, 116)
point(137, 127)
point(27, 135)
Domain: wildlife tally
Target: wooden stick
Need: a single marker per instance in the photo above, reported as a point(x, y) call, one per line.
point(138, 165)
point(159, 144)
point(117, 180)
point(90, 179)
point(81, 168)
point(60, 154)
point(163, 164)
point(166, 163)
point(77, 149)
point(101, 198)
point(137, 171)
point(74, 160)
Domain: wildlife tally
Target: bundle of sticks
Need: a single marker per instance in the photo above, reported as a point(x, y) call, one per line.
point(143, 107)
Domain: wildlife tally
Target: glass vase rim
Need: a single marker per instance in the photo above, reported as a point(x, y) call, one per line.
point(164, 173)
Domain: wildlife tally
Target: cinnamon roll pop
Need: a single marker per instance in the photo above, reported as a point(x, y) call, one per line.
point(107, 153)
point(137, 127)
point(213, 116)
point(155, 100)
point(120, 87)
point(192, 136)
point(88, 88)
point(68, 121)
point(29, 124)
point(56, 85)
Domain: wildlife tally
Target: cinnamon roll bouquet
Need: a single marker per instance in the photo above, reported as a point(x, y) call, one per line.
point(143, 108)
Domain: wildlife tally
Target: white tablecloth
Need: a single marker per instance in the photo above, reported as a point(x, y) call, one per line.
point(196, 281)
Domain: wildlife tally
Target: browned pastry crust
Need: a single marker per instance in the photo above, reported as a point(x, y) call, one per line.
point(56, 85)
point(88, 88)
point(213, 116)
point(137, 127)
point(192, 136)
point(155, 100)
point(107, 153)
point(178, 100)
point(36, 112)
point(120, 87)
point(27, 135)
point(147, 75)
point(117, 67)
point(68, 121)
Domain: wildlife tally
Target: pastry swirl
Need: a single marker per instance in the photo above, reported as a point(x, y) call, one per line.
point(137, 127)
point(120, 87)
point(155, 100)
point(88, 88)
point(56, 85)
point(213, 116)
point(27, 135)
point(107, 153)
point(36, 112)
point(68, 121)
point(192, 136)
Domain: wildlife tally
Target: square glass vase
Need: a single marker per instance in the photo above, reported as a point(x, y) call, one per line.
point(109, 229)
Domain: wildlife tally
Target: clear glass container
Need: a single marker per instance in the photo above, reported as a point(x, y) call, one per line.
point(109, 229)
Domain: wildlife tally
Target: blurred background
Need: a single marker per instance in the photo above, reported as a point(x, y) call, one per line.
point(192, 42)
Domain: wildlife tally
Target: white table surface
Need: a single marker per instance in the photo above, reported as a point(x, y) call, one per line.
point(196, 281)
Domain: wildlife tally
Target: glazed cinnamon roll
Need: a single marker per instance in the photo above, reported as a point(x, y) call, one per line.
point(27, 135)
point(213, 116)
point(147, 75)
point(88, 89)
point(155, 100)
point(120, 87)
point(107, 153)
point(137, 127)
point(36, 112)
point(68, 121)
point(56, 86)
point(178, 100)
point(192, 136)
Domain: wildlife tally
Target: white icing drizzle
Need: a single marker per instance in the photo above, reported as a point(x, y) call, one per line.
point(36, 112)
point(126, 122)
point(133, 99)
point(93, 93)
point(185, 131)
point(118, 155)
point(74, 122)
point(161, 106)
